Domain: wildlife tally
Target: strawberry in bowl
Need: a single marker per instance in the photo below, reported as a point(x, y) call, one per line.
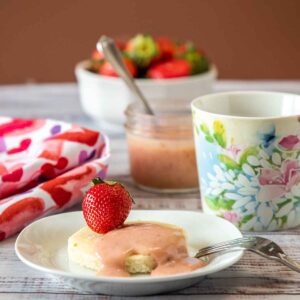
point(170, 69)
point(164, 69)
point(143, 53)
point(107, 69)
point(142, 49)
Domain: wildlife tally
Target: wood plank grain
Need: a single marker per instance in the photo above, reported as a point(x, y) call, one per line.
point(42, 296)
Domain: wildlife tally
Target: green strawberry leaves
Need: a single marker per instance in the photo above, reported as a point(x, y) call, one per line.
point(142, 49)
point(97, 180)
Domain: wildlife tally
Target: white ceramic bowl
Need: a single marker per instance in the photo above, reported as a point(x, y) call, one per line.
point(43, 246)
point(105, 98)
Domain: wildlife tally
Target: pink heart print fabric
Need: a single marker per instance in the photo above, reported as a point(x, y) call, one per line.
point(45, 167)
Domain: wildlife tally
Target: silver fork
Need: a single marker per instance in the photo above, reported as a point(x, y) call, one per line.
point(259, 245)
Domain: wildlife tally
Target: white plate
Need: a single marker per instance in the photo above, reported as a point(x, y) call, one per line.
point(43, 246)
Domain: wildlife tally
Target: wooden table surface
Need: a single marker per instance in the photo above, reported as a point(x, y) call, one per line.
point(251, 278)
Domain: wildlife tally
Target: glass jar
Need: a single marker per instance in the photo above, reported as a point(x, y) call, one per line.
point(161, 148)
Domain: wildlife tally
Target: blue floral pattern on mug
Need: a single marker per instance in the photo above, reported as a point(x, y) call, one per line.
point(255, 187)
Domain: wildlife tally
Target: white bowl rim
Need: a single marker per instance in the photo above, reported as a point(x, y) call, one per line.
point(81, 67)
point(195, 106)
point(238, 255)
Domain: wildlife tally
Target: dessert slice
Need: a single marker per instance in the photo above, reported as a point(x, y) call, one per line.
point(135, 248)
point(82, 250)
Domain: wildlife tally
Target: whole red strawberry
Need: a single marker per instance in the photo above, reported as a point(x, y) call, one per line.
point(166, 47)
point(170, 69)
point(108, 70)
point(106, 205)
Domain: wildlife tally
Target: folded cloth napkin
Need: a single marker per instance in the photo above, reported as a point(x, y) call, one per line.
point(45, 167)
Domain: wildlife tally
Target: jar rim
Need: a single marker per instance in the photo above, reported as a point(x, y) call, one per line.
point(160, 124)
point(136, 109)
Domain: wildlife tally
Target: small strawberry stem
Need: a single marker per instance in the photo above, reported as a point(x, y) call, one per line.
point(110, 182)
point(97, 180)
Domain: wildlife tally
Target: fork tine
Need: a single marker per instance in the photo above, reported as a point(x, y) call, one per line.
point(224, 246)
point(231, 242)
point(212, 250)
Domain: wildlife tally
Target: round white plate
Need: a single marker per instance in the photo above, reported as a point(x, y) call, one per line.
point(43, 246)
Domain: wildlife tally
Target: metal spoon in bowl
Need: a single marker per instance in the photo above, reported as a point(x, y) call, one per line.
point(256, 244)
point(114, 56)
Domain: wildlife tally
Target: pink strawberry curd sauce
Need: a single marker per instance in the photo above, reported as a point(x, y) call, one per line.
point(166, 244)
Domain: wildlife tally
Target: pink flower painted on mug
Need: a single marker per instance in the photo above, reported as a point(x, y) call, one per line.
point(231, 216)
point(234, 151)
point(276, 183)
point(290, 142)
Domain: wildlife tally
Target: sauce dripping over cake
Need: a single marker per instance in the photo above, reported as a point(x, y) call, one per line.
point(166, 244)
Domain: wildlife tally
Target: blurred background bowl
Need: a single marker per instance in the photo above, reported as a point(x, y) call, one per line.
point(105, 98)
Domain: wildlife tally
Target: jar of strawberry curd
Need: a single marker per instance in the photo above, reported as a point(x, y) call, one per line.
point(161, 148)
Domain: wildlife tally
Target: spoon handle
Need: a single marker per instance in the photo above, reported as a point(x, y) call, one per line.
point(113, 55)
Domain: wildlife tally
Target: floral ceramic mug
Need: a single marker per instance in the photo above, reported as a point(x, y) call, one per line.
point(248, 156)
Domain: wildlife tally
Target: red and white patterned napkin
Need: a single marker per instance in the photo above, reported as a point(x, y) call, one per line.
point(45, 167)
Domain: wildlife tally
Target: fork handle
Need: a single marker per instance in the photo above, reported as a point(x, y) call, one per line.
point(280, 257)
point(289, 262)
